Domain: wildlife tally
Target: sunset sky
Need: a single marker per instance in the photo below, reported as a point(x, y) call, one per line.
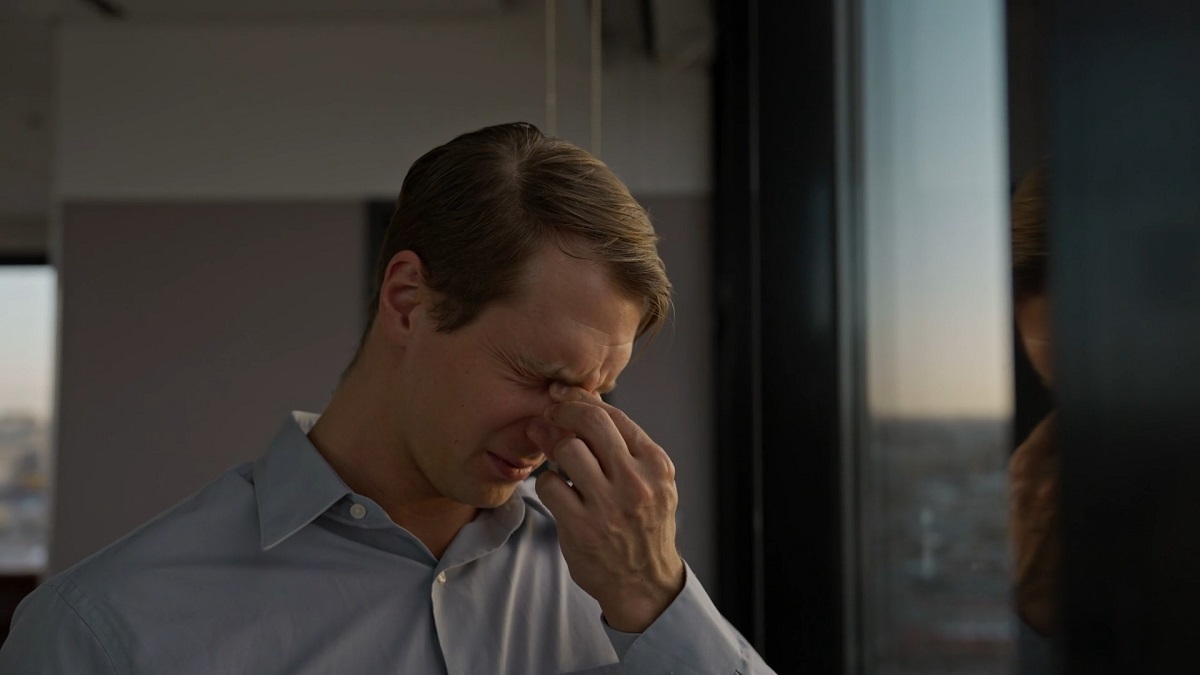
point(27, 339)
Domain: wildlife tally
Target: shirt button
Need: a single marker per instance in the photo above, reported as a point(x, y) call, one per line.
point(358, 511)
point(441, 578)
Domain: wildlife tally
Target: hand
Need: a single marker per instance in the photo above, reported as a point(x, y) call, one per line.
point(1033, 479)
point(616, 524)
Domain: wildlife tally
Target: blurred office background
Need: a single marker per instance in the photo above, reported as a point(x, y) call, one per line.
point(190, 192)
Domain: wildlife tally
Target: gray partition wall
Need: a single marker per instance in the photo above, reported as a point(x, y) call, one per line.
point(188, 332)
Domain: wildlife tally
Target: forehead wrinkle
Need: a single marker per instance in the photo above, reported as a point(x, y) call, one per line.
point(551, 372)
point(562, 374)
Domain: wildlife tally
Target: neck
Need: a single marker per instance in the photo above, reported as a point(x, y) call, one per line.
point(358, 435)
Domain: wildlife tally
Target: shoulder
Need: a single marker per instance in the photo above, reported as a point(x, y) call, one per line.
point(52, 632)
point(219, 520)
point(80, 620)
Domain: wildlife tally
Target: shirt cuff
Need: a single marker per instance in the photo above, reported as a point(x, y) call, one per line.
point(690, 636)
point(621, 642)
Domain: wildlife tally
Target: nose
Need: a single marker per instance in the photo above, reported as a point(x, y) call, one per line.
point(546, 435)
point(541, 434)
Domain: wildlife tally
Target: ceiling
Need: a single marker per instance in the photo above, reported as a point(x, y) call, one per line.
point(27, 28)
point(169, 10)
point(682, 36)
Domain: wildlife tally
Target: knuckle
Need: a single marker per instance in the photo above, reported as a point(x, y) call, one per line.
point(667, 468)
point(548, 490)
point(638, 496)
point(570, 446)
point(594, 416)
point(659, 463)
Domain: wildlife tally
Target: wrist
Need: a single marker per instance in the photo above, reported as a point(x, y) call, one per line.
point(637, 607)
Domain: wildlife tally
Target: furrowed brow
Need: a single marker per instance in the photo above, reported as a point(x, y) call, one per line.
point(558, 375)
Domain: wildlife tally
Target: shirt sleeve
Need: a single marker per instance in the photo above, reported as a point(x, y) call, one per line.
point(689, 637)
point(49, 636)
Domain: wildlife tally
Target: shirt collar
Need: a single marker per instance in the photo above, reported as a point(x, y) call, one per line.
point(489, 531)
point(294, 486)
point(293, 483)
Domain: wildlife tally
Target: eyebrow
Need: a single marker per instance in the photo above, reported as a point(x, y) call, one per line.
point(558, 375)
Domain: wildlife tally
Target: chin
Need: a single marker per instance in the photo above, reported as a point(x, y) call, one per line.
point(480, 494)
point(494, 496)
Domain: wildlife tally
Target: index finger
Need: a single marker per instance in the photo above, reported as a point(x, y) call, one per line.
point(636, 439)
point(593, 426)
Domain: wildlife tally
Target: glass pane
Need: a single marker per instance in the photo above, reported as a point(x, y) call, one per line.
point(27, 347)
point(938, 339)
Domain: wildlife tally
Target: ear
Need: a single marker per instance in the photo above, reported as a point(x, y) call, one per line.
point(402, 297)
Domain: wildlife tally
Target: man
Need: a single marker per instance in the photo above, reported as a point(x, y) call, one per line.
point(398, 532)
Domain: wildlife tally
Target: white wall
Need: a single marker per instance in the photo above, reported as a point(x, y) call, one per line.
point(308, 110)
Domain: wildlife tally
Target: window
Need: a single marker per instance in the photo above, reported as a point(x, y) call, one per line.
point(27, 353)
point(937, 332)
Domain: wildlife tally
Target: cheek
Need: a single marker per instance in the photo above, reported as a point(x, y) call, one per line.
point(1041, 356)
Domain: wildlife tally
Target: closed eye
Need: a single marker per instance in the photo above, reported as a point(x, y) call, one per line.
point(537, 378)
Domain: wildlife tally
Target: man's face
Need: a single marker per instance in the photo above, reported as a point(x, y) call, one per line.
point(1033, 324)
point(471, 394)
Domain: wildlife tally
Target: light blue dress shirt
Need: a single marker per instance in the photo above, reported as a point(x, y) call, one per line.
point(278, 567)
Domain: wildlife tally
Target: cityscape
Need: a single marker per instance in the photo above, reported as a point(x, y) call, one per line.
point(24, 492)
point(935, 547)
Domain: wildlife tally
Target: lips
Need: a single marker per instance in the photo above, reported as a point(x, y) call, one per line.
point(518, 463)
point(512, 469)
